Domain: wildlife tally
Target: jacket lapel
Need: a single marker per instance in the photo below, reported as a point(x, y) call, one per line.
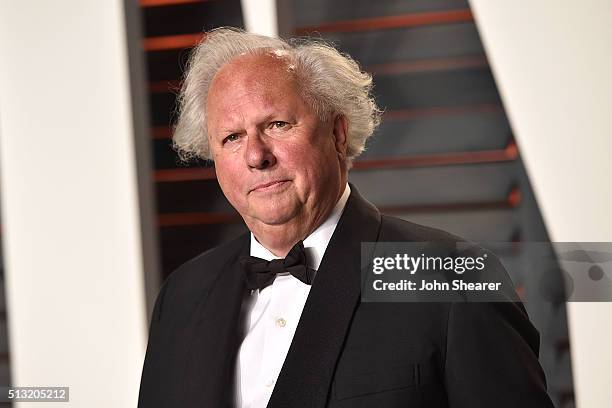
point(209, 372)
point(307, 373)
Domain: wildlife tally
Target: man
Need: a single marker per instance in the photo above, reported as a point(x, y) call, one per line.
point(234, 327)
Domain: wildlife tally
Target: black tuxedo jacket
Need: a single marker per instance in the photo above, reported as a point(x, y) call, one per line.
point(345, 353)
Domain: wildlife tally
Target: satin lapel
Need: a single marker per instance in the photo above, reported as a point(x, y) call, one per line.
point(210, 367)
point(306, 376)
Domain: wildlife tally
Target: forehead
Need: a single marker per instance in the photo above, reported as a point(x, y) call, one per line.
point(264, 63)
point(265, 75)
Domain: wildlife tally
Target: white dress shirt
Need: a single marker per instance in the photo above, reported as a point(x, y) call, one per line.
point(272, 315)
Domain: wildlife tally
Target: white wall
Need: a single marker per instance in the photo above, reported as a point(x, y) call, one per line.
point(552, 61)
point(260, 16)
point(70, 221)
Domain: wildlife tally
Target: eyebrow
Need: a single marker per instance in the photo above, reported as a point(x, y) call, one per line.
point(226, 130)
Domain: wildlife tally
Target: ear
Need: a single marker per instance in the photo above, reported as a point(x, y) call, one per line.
point(340, 131)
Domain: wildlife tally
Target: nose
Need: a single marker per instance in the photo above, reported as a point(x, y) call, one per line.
point(258, 153)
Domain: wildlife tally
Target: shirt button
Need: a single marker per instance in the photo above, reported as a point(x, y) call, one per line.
point(270, 383)
point(280, 322)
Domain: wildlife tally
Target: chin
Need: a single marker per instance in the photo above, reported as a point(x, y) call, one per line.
point(274, 211)
point(274, 218)
point(276, 214)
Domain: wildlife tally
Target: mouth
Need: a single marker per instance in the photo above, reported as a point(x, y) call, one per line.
point(270, 186)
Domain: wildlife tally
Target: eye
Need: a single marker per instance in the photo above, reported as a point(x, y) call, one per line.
point(278, 124)
point(231, 138)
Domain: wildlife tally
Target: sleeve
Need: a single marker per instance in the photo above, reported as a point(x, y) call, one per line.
point(151, 372)
point(492, 357)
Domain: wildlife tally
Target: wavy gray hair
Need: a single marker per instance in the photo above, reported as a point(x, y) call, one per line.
point(331, 83)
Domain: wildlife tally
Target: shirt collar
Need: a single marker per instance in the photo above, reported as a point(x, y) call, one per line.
point(316, 243)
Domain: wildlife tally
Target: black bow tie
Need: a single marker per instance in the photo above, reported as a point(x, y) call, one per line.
point(261, 273)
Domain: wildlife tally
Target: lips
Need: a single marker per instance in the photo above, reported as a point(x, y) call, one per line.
point(269, 186)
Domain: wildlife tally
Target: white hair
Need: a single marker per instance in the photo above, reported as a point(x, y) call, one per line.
point(332, 83)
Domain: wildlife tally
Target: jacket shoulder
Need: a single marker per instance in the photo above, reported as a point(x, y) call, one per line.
point(211, 259)
point(186, 285)
point(397, 229)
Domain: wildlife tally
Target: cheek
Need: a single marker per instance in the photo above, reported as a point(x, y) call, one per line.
point(314, 172)
point(229, 180)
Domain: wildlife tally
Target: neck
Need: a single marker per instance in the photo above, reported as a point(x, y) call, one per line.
point(279, 239)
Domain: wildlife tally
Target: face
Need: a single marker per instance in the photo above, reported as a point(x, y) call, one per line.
point(276, 162)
